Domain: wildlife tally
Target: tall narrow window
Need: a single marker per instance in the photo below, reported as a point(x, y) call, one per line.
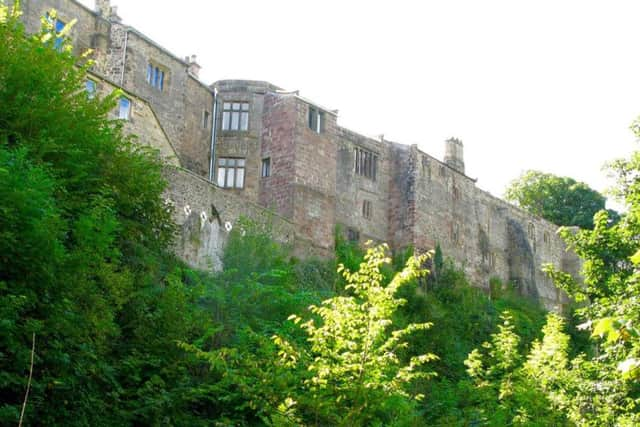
point(235, 116)
point(124, 108)
point(90, 87)
point(366, 209)
point(205, 119)
point(266, 167)
point(316, 120)
point(231, 172)
point(366, 163)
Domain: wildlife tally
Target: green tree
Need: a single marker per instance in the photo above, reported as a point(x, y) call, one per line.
point(353, 370)
point(505, 393)
point(84, 261)
point(604, 390)
point(560, 200)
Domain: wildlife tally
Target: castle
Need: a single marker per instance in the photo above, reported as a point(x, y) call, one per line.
point(250, 148)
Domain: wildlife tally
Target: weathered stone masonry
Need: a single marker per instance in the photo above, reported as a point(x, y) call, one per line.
point(283, 159)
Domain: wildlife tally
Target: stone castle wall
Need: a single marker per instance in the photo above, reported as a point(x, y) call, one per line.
point(313, 185)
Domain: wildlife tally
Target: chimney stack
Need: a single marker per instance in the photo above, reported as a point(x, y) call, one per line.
point(103, 8)
point(453, 154)
point(194, 67)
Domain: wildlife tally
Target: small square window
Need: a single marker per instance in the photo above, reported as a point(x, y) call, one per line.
point(353, 235)
point(235, 116)
point(124, 108)
point(155, 76)
point(266, 167)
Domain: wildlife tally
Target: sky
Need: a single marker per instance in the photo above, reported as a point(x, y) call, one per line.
point(551, 85)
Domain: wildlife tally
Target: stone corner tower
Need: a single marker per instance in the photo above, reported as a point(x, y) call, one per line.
point(454, 155)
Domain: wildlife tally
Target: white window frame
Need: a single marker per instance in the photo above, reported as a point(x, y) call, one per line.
point(235, 116)
point(231, 172)
point(124, 113)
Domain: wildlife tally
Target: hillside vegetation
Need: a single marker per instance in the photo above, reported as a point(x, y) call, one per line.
point(100, 325)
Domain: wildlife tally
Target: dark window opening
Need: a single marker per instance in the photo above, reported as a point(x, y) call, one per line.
point(353, 235)
point(266, 167)
point(205, 119)
point(366, 163)
point(316, 120)
point(366, 209)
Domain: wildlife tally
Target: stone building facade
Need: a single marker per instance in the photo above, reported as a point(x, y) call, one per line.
point(250, 148)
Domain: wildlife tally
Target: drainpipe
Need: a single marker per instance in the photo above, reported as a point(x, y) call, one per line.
point(124, 56)
point(214, 130)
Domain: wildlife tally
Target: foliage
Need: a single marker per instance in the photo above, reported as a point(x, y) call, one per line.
point(507, 396)
point(561, 200)
point(354, 360)
point(250, 300)
point(84, 234)
point(604, 389)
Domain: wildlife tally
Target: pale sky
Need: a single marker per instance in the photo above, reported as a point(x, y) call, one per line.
point(551, 85)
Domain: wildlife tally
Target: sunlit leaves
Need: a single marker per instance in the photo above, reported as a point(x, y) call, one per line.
point(354, 357)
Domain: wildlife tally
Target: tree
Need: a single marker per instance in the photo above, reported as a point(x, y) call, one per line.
point(353, 369)
point(505, 393)
point(561, 200)
point(604, 390)
point(84, 257)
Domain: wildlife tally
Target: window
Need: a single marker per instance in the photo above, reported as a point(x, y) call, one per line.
point(205, 119)
point(231, 172)
point(546, 237)
point(492, 260)
point(235, 116)
point(90, 87)
point(266, 167)
point(531, 230)
point(455, 234)
point(455, 192)
point(353, 235)
point(124, 108)
point(426, 168)
point(58, 26)
point(155, 76)
point(316, 120)
point(366, 163)
point(366, 209)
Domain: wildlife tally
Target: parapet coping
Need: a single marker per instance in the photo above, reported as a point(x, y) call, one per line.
point(240, 199)
point(132, 29)
point(140, 98)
